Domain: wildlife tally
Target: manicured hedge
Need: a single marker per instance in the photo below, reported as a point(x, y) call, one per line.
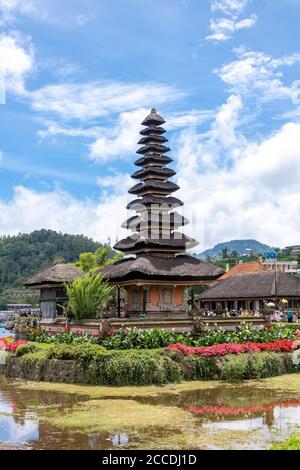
point(159, 366)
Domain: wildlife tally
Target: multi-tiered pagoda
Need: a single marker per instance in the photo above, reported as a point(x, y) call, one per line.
point(157, 270)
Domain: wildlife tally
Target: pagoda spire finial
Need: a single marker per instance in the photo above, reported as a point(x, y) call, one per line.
point(153, 110)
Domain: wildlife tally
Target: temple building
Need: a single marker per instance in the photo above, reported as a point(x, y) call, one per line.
point(252, 291)
point(51, 284)
point(156, 270)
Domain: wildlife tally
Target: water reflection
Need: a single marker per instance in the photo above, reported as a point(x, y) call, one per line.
point(16, 429)
point(119, 440)
point(214, 412)
point(4, 333)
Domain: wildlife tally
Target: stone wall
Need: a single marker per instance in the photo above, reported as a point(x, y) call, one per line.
point(48, 371)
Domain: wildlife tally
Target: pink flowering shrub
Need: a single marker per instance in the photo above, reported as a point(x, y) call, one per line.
point(283, 345)
point(9, 344)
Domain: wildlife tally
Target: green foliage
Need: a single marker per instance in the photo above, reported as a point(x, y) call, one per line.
point(134, 368)
point(113, 367)
point(81, 353)
point(254, 366)
point(89, 262)
point(158, 366)
point(242, 334)
point(86, 262)
point(142, 339)
point(26, 349)
point(87, 295)
point(291, 444)
point(36, 361)
point(25, 254)
point(199, 368)
point(132, 338)
point(233, 368)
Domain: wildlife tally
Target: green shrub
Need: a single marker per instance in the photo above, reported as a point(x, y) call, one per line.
point(272, 365)
point(87, 295)
point(82, 353)
point(233, 368)
point(34, 361)
point(26, 349)
point(134, 368)
point(291, 444)
point(255, 366)
point(132, 338)
point(157, 366)
point(199, 368)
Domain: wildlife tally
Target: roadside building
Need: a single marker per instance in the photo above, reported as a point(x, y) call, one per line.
point(252, 291)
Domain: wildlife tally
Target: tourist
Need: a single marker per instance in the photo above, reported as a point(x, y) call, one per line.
point(290, 317)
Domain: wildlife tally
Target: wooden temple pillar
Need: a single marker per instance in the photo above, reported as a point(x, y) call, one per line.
point(119, 302)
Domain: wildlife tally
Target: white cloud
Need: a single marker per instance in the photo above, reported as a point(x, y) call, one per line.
point(119, 141)
point(54, 129)
point(117, 183)
point(236, 188)
point(229, 7)
point(9, 8)
point(232, 187)
point(87, 101)
point(1, 156)
point(122, 140)
point(58, 210)
point(16, 61)
point(222, 28)
point(256, 72)
point(66, 13)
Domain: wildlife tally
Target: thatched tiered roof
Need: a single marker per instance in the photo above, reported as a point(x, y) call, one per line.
point(146, 266)
point(154, 198)
point(56, 274)
point(158, 248)
point(259, 285)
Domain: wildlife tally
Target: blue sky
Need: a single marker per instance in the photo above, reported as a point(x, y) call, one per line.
point(77, 77)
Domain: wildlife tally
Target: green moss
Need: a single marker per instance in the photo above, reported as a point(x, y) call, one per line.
point(291, 444)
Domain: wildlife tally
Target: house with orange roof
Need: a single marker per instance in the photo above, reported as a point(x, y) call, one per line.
point(244, 268)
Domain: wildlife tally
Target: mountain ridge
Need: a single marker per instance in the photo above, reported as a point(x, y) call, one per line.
point(242, 246)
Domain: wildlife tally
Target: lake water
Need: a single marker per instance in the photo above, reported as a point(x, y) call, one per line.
point(218, 417)
point(4, 333)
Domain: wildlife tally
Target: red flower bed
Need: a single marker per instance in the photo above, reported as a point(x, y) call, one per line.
point(10, 345)
point(223, 410)
point(282, 345)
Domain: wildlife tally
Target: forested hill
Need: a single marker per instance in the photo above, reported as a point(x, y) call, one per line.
point(240, 246)
point(25, 254)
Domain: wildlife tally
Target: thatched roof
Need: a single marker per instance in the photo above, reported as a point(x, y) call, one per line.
point(151, 199)
point(155, 219)
point(152, 137)
point(259, 285)
point(156, 172)
point(57, 274)
point(153, 130)
point(154, 185)
point(153, 158)
point(153, 119)
point(177, 241)
point(146, 266)
point(153, 148)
